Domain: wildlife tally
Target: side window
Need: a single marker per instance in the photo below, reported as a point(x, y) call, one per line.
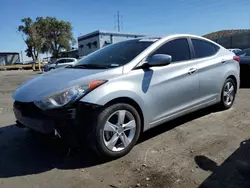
point(203, 48)
point(178, 49)
point(61, 61)
point(95, 44)
point(248, 52)
point(69, 60)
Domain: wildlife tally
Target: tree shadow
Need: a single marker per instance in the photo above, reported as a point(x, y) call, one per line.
point(233, 172)
point(147, 78)
point(22, 153)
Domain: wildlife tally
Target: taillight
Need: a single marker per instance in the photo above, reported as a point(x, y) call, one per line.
point(236, 58)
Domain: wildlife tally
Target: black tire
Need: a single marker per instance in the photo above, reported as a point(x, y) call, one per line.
point(96, 139)
point(223, 105)
point(51, 68)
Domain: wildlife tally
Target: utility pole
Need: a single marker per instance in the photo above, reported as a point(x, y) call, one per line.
point(118, 21)
point(22, 56)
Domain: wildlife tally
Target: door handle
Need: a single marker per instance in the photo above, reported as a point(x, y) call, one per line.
point(192, 70)
point(223, 60)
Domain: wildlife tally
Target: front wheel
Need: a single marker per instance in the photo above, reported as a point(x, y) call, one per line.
point(52, 68)
point(116, 130)
point(228, 94)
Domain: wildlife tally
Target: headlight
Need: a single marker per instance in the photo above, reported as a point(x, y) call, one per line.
point(67, 96)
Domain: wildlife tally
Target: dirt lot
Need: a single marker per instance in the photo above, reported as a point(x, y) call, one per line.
point(204, 149)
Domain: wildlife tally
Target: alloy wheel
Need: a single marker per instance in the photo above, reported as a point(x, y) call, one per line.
point(119, 130)
point(229, 93)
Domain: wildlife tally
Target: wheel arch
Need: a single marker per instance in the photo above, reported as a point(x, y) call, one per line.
point(235, 81)
point(131, 102)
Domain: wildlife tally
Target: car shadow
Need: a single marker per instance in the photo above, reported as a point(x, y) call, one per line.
point(233, 172)
point(245, 85)
point(22, 153)
point(244, 77)
point(176, 122)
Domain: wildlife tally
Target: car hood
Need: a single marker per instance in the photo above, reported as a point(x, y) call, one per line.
point(59, 79)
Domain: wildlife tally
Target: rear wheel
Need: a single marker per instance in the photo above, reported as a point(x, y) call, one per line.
point(116, 130)
point(228, 94)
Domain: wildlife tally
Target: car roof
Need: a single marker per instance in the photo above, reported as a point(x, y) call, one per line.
point(66, 58)
point(173, 36)
point(234, 49)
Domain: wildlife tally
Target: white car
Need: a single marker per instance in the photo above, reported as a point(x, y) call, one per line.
point(62, 62)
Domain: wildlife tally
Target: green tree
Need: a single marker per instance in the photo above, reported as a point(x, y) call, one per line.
point(46, 35)
point(57, 35)
point(29, 33)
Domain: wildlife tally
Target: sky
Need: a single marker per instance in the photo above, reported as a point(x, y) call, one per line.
point(158, 17)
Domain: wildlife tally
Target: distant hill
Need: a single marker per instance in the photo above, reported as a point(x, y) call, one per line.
point(226, 33)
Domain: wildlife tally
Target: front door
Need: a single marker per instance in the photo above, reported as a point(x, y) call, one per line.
point(173, 88)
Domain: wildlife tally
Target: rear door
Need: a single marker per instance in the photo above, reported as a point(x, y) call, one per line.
point(60, 63)
point(210, 69)
point(65, 62)
point(69, 62)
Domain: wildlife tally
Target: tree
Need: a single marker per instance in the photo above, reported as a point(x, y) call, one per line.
point(31, 37)
point(46, 35)
point(57, 34)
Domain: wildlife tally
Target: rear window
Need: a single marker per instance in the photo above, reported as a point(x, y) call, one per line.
point(203, 48)
point(69, 60)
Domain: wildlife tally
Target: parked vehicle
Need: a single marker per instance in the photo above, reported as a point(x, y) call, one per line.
point(235, 50)
point(114, 94)
point(244, 54)
point(244, 65)
point(62, 62)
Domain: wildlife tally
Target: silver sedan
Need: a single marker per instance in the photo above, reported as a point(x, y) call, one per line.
point(114, 94)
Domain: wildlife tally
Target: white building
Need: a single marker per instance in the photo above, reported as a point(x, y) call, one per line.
point(9, 58)
point(93, 41)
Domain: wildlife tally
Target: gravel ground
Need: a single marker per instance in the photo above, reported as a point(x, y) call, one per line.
point(203, 149)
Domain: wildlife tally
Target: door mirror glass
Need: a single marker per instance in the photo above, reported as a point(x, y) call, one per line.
point(159, 60)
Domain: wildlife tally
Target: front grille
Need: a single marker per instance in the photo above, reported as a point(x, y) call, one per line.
point(28, 109)
point(31, 110)
point(61, 114)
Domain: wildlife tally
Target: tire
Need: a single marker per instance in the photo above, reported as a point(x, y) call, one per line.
point(51, 69)
point(99, 134)
point(224, 105)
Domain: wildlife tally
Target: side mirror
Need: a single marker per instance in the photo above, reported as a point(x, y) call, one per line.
point(159, 60)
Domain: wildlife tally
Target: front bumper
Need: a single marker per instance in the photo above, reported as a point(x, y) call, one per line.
point(44, 126)
point(29, 115)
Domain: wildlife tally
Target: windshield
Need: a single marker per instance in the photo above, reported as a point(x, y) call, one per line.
point(115, 55)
